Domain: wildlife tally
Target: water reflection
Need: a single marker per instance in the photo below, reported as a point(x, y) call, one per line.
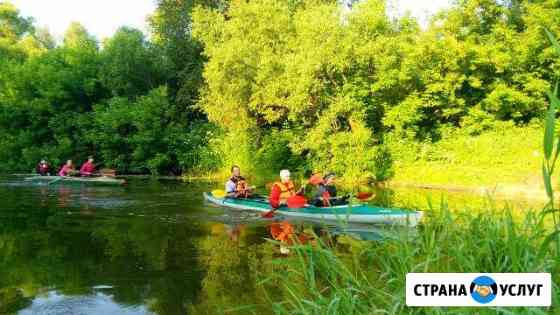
point(99, 303)
point(152, 247)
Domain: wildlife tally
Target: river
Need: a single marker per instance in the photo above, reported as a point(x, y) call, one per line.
point(151, 247)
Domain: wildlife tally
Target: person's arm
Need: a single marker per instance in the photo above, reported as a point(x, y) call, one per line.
point(274, 198)
point(326, 198)
point(332, 191)
point(230, 189)
point(83, 169)
point(301, 190)
point(248, 188)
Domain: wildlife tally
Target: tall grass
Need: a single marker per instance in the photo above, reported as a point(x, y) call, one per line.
point(551, 150)
point(369, 278)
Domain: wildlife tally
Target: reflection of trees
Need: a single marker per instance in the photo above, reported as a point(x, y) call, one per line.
point(143, 260)
point(173, 268)
point(235, 257)
point(12, 300)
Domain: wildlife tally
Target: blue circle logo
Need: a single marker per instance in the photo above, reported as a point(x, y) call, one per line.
point(483, 289)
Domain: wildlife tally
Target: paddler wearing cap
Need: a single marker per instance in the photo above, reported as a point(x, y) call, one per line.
point(282, 190)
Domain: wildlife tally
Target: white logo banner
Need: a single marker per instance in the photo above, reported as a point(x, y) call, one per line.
point(478, 289)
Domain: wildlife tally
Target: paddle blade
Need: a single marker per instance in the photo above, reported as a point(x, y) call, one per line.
point(364, 195)
point(296, 201)
point(108, 172)
point(269, 214)
point(218, 193)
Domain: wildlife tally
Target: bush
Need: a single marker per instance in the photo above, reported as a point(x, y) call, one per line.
point(505, 154)
point(142, 136)
point(275, 154)
point(383, 164)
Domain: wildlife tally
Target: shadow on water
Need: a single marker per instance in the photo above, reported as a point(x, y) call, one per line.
point(152, 247)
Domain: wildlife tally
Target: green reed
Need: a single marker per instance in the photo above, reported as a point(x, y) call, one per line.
point(369, 277)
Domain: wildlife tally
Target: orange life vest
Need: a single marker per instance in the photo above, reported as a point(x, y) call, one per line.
point(241, 185)
point(286, 190)
point(241, 188)
point(281, 231)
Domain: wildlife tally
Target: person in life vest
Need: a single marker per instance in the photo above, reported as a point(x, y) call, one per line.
point(282, 190)
point(67, 169)
point(88, 168)
point(43, 168)
point(236, 186)
point(326, 194)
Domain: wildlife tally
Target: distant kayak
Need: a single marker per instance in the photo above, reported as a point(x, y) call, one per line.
point(357, 213)
point(103, 180)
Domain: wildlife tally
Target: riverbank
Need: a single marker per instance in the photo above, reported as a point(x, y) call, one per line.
point(501, 191)
point(504, 162)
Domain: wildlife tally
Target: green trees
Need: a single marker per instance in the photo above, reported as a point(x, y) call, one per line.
point(44, 101)
point(338, 83)
point(143, 136)
point(286, 68)
point(130, 65)
point(14, 32)
point(270, 84)
point(74, 99)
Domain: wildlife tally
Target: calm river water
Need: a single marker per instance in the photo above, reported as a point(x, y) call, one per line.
point(152, 247)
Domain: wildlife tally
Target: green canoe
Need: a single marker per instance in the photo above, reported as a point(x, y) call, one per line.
point(357, 213)
point(77, 180)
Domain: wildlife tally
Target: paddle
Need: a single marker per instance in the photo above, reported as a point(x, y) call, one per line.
point(364, 196)
point(294, 202)
point(107, 172)
point(218, 193)
point(56, 180)
point(317, 179)
point(297, 201)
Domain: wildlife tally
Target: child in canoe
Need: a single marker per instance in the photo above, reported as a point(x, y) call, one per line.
point(236, 186)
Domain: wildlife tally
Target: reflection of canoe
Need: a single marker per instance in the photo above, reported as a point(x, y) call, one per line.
point(77, 180)
point(359, 213)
